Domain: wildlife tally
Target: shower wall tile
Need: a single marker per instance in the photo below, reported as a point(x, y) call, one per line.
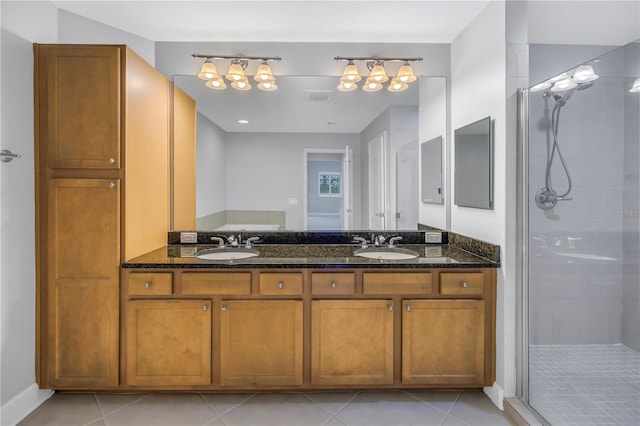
point(574, 329)
point(541, 329)
point(631, 332)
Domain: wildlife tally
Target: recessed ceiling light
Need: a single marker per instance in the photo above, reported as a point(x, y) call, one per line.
point(243, 121)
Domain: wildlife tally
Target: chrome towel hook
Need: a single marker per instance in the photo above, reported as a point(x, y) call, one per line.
point(7, 155)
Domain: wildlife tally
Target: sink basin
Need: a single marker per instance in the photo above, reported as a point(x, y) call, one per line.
point(386, 253)
point(227, 253)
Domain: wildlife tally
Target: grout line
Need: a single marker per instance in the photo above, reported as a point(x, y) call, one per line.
point(220, 416)
point(430, 405)
point(345, 405)
point(210, 408)
point(449, 415)
point(104, 417)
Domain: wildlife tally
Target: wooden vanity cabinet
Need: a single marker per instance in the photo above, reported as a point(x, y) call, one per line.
point(168, 342)
point(261, 343)
point(352, 342)
point(102, 196)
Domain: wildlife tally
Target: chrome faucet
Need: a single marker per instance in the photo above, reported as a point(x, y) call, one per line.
point(218, 240)
point(378, 240)
point(251, 240)
point(392, 241)
point(362, 241)
point(234, 241)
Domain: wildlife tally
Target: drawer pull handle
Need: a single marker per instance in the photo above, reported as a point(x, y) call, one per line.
point(147, 284)
point(408, 308)
point(223, 308)
point(333, 285)
point(112, 185)
point(112, 161)
point(390, 307)
point(205, 307)
point(464, 284)
point(280, 284)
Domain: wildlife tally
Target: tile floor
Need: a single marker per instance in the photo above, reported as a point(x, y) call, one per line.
point(585, 384)
point(323, 408)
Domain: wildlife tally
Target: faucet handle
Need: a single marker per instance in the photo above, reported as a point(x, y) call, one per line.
point(251, 240)
point(392, 241)
point(218, 240)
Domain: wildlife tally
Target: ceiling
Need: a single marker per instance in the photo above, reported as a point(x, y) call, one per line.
point(300, 21)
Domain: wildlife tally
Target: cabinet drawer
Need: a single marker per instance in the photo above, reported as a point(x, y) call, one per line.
point(151, 284)
point(340, 283)
point(281, 283)
point(396, 283)
point(461, 283)
point(216, 283)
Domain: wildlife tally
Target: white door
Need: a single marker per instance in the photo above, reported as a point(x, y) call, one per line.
point(347, 195)
point(407, 187)
point(377, 193)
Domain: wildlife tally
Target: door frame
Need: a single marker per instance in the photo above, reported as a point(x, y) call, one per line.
point(382, 136)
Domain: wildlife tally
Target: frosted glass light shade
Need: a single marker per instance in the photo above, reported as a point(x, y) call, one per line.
point(351, 73)
point(405, 74)
point(241, 84)
point(378, 73)
point(371, 86)
point(563, 84)
point(208, 71)
point(263, 73)
point(217, 84)
point(347, 86)
point(636, 86)
point(236, 72)
point(397, 86)
point(267, 86)
point(540, 86)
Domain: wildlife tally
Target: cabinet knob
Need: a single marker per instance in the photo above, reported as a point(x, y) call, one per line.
point(112, 161)
point(464, 284)
point(280, 284)
point(112, 185)
point(390, 307)
point(223, 308)
point(205, 308)
point(408, 308)
point(147, 284)
point(333, 285)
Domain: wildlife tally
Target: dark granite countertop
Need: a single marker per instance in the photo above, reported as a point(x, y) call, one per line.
point(311, 256)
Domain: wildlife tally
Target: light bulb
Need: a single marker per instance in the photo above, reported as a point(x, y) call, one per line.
point(584, 74)
point(217, 84)
point(241, 84)
point(405, 74)
point(371, 86)
point(208, 71)
point(636, 86)
point(263, 73)
point(540, 86)
point(236, 72)
point(267, 86)
point(378, 73)
point(397, 86)
point(347, 86)
point(351, 73)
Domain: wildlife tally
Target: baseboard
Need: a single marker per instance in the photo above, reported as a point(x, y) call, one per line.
point(19, 407)
point(496, 395)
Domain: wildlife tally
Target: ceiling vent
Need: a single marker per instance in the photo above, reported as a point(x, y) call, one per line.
point(318, 95)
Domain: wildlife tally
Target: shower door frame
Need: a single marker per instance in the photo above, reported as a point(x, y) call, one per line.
point(522, 255)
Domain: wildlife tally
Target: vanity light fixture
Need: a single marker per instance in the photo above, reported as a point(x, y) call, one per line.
point(636, 86)
point(581, 78)
point(237, 73)
point(377, 74)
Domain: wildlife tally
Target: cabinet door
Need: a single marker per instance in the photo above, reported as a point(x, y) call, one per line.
point(79, 105)
point(443, 342)
point(261, 342)
point(351, 342)
point(83, 265)
point(168, 342)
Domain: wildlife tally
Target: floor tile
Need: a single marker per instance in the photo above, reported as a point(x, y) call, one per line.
point(110, 402)
point(475, 408)
point(332, 401)
point(222, 403)
point(452, 421)
point(443, 401)
point(164, 409)
point(64, 409)
point(334, 422)
point(389, 408)
point(277, 409)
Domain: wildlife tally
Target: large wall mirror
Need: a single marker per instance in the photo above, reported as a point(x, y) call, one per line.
point(298, 158)
point(473, 170)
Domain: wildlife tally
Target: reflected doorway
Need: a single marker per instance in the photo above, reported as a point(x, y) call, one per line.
point(377, 178)
point(328, 189)
point(407, 199)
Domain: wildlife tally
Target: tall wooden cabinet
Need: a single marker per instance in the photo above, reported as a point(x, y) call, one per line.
point(102, 196)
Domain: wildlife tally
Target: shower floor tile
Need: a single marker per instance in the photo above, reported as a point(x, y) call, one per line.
point(585, 384)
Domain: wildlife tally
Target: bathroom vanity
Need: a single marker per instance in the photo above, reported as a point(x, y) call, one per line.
point(307, 317)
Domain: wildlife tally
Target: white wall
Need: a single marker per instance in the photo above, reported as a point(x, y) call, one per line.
point(22, 24)
point(478, 89)
point(265, 171)
point(433, 118)
point(211, 168)
point(25, 23)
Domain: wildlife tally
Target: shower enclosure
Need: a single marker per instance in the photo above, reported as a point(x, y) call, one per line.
point(580, 315)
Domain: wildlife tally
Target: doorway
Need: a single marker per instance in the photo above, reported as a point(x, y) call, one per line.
point(377, 179)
